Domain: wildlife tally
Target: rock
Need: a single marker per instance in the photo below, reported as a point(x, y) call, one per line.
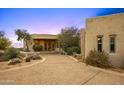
point(74, 54)
point(36, 57)
point(78, 55)
point(27, 59)
point(14, 61)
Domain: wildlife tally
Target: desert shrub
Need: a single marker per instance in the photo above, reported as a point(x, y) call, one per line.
point(98, 59)
point(11, 53)
point(71, 50)
point(22, 54)
point(37, 47)
point(19, 49)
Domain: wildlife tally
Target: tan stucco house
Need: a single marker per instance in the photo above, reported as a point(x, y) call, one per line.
point(105, 33)
point(48, 41)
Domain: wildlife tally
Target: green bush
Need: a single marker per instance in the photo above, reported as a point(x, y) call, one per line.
point(4, 43)
point(71, 50)
point(37, 47)
point(98, 59)
point(19, 49)
point(11, 53)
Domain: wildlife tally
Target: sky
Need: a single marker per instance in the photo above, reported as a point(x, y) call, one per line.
point(47, 20)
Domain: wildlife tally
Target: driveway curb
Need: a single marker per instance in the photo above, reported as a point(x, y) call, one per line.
point(17, 68)
point(100, 69)
point(73, 58)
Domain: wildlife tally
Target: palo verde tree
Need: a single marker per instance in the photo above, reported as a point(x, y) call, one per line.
point(69, 39)
point(24, 36)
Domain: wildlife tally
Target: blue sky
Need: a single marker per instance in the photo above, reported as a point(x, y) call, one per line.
point(47, 20)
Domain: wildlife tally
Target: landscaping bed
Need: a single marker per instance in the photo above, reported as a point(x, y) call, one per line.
point(25, 58)
point(5, 66)
point(116, 69)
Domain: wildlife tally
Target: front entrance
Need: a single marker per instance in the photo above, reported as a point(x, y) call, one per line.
point(49, 45)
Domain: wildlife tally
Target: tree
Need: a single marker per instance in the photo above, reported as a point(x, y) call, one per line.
point(4, 42)
point(23, 35)
point(69, 37)
point(2, 33)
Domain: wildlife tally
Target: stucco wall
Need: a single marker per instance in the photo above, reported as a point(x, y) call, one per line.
point(106, 25)
point(82, 38)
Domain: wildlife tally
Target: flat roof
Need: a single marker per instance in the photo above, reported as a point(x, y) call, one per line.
point(43, 36)
point(105, 16)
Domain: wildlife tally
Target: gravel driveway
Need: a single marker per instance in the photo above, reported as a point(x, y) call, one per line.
point(59, 69)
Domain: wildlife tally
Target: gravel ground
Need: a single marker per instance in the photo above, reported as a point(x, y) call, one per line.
point(60, 70)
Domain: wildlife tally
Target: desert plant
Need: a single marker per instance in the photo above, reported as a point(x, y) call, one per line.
point(74, 49)
point(98, 59)
point(11, 53)
point(37, 47)
point(69, 37)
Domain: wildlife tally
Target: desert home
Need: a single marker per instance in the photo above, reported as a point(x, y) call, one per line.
point(48, 41)
point(105, 33)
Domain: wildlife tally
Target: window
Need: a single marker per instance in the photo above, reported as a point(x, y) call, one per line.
point(112, 43)
point(99, 43)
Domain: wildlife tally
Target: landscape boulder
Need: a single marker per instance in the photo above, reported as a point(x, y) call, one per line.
point(14, 61)
point(27, 59)
point(36, 57)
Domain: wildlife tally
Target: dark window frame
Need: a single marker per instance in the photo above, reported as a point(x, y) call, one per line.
point(112, 43)
point(100, 43)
